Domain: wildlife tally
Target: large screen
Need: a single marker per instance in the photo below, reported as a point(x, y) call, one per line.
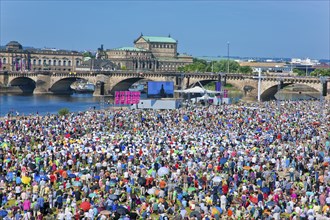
point(163, 89)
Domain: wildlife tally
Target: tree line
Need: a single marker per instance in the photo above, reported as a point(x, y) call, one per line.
point(316, 72)
point(200, 65)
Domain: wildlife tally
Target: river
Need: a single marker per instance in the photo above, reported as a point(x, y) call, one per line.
point(44, 104)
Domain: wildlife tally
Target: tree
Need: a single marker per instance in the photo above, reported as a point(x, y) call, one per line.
point(199, 65)
point(63, 111)
point(245, 69)
point(88, 54)
point(299, 72)
point(321, 72)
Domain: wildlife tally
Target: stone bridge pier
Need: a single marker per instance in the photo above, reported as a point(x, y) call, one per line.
point(43, 84)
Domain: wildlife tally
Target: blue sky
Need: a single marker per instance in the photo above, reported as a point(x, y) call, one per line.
point(254, 28)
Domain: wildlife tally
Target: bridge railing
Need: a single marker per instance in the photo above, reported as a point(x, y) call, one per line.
point(144, 73)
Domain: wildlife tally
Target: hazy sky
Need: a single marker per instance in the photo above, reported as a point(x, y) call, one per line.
point(280, 28)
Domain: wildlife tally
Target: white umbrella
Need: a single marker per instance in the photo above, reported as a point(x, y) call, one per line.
point(163, 171)
point(217, 179)
point(151, 191)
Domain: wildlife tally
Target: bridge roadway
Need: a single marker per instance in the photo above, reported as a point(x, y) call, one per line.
point(107, 82)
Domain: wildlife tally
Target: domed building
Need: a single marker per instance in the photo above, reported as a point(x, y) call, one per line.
point(13, 45)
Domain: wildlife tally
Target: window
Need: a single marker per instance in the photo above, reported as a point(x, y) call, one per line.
point(77, 63)
point(64, 63)
point(172, 46)
point(34, 62)
point(59, 63)
point(4, 60)
point(49, 62)
point(44, 62)
point(54, 62)
point(69, 63)
point(39, 62)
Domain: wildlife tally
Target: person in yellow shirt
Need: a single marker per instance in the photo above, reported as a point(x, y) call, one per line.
point(317, 208)
point(325, 209)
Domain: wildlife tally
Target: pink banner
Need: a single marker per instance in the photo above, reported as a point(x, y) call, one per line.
point(122, 97)
point(128, 97)
point(225, 93)
point(117, 98)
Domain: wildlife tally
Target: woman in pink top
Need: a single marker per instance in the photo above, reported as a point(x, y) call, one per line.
point(26, 205)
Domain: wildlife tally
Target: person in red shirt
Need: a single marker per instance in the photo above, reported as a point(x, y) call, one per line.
point(53, 178)
point(225, 189)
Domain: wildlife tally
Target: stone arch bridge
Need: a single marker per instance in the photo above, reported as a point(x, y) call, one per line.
point(107, 82)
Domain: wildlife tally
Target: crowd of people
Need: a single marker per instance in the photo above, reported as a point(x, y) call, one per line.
point(244, 161)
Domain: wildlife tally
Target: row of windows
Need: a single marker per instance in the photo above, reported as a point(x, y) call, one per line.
point(162, 45)
point(49, 62)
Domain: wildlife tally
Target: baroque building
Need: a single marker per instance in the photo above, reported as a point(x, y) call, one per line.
point(15, 58)
point(149, 53)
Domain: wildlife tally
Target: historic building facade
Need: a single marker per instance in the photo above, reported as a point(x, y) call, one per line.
point(15, 58)
point(149, 53)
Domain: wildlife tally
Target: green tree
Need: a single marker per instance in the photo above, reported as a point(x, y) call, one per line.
point(88, 54)
point(245, 69)
point(321, 72)
point(63, 111)
point(199, 65)
point(299, 72)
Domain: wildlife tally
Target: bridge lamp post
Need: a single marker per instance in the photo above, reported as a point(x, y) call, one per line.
point(259, 85)
point(279, 87)
point(228, 57)
point(323, 80)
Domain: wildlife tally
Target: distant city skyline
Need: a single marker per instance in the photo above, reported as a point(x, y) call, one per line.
point(203, 28)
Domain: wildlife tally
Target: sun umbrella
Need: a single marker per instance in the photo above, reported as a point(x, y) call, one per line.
point(178, 189)
point(196, 215)
point(151, 191)
point(105, 212)
point(253, 199)
point(270, 203)
point(43, 177)
point(223, 160)
point(84, 171)
point(217, 179)
point(142, 181)
point(32, 166)
point(247, 168)
point(3, 213)
point(150, 171)
point(26, 179)
point(265, 189)
point(85, 206)
point(92, 195)
point(122, 210)
point(215, 211)
point(113, 197)
point(191, 189)
point(163, 171)
point(72, 175)
point(77, 183)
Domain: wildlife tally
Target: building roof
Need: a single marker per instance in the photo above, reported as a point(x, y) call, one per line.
point(14, 44)
point(261, 64)
point(129, 49)
point(159, 39)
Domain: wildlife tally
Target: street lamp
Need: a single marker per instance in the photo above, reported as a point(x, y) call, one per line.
point(323, 81)
point(228, 57)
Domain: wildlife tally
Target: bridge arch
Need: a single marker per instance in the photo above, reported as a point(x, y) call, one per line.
point(23, 84)
point(270, 92)
point(125, 84)
point(62, 86)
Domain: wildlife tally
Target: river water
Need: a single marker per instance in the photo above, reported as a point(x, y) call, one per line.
point(44, 104)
